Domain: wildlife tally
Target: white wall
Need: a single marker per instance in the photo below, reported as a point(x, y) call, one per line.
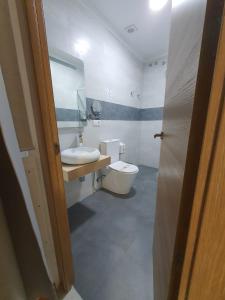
point(153, 95)
point(126, 131)
point(111, 73)
point(149, 154)
point(154, 83)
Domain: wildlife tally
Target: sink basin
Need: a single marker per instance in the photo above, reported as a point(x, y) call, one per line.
point(80, 155)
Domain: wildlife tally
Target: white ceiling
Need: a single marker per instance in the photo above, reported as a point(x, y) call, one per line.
point(151, 39)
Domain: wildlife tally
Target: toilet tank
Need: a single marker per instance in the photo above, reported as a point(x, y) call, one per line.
point(111, 147)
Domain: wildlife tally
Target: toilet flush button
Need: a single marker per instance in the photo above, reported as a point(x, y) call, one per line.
point(96, 123)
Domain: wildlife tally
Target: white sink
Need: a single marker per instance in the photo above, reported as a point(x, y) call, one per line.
point(80, 155)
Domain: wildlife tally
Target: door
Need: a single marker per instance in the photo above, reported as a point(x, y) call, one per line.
point(193, 44)
point(206, 239)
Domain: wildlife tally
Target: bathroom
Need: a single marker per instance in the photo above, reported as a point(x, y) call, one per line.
point(120, 92)
point(112, 118)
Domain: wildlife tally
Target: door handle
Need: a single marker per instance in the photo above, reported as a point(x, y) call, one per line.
point(160, 135)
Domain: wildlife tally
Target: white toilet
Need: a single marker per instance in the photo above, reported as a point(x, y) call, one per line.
point(119, 176)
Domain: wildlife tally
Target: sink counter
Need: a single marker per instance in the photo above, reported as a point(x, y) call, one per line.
point(73, 172)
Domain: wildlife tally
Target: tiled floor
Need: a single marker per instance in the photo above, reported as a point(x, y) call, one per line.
point(112, 250)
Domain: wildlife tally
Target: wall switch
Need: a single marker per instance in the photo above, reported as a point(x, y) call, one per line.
point(96, 123)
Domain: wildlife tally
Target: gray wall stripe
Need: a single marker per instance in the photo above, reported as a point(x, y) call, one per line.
point(113, 111)
point(64, 114)
point(151, 114)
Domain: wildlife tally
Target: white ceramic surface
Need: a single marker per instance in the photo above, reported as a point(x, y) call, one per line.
point(118, 180)
point(80, 155)
point(119, 176)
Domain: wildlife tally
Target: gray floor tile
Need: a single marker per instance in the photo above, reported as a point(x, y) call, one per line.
point(127, 281)
point(92, 263)
point(112, 250)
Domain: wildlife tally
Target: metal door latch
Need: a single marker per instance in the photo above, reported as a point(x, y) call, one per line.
point(160, 135)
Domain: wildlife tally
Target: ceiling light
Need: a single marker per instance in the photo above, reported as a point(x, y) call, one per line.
point(157, 5)
point(82, 47)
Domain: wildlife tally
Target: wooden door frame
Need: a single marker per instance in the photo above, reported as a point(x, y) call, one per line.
point(50, 143)
point(203, 134)
point(201, 107)
point(212, 139)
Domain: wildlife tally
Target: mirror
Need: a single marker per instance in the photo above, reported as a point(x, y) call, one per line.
point(69, 89)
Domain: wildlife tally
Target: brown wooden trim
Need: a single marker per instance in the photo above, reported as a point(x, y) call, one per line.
point(213, 17)
point(207, 155)
point(11, 69)
point(55, 186)
point(32, 163)
point(206, 279)
point(74, 172)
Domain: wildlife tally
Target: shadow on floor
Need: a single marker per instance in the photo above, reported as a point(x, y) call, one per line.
point(131, 194)
point(79, 214)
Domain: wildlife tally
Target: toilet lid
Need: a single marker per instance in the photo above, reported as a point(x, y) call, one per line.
point(124, 167)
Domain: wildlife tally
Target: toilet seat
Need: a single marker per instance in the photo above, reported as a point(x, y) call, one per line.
point(123, 167)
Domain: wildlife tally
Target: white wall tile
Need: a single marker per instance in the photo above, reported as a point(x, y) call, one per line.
point(127, 131)
point(149, 154)
point(111, 71)
point(68, 137)
point(154, 85)
point(153, 95)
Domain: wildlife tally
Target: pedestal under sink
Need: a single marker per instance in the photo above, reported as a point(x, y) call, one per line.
point(80, 155)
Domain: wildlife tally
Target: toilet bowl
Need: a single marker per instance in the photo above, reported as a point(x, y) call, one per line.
point(119, 176)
